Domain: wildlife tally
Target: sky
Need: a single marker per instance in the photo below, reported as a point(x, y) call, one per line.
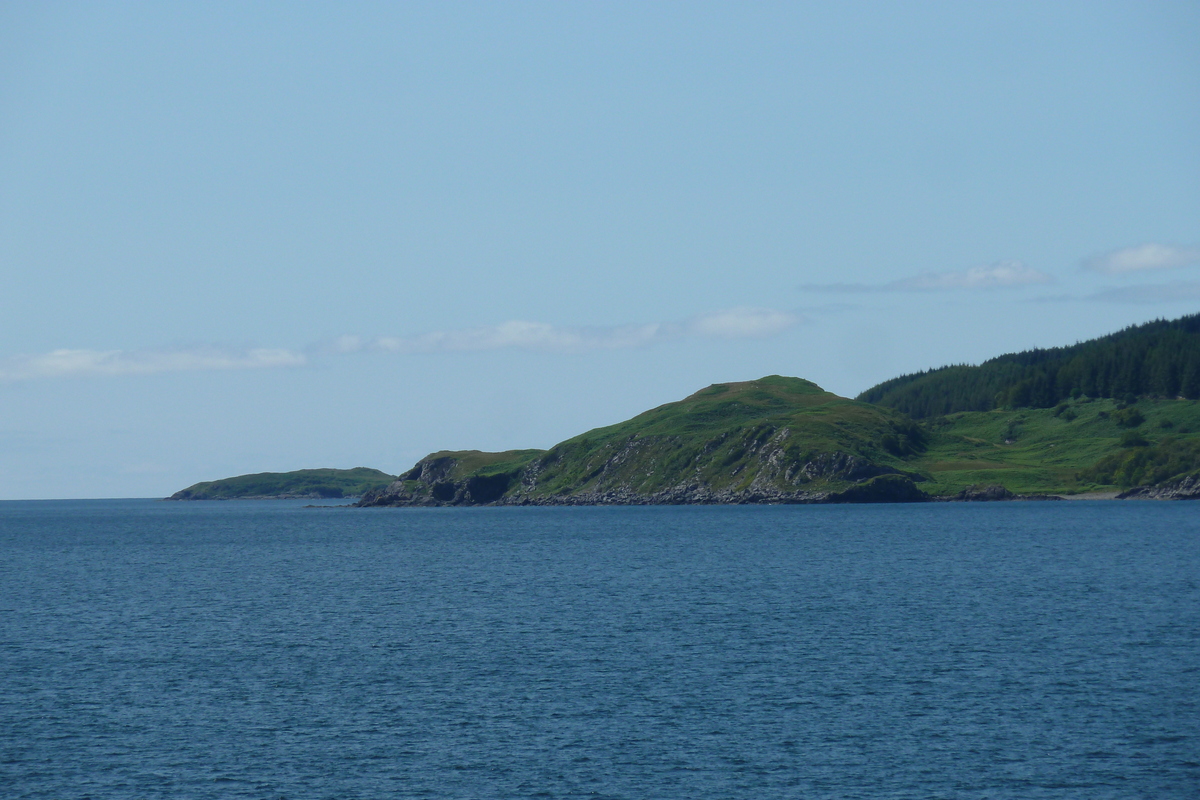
point(239, 238)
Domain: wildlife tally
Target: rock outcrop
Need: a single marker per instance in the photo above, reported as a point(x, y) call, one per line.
point(990, 493)
point(1184, 488)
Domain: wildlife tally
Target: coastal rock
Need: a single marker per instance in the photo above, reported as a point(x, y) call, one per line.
point(984, 494)
point(1185, 488)
point(991, 493)
point(883, 489)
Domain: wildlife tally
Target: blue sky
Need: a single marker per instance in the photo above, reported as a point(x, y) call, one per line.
point(237, 238)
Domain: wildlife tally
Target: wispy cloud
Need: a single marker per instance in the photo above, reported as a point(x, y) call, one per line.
point(990, 276)
point(514, 334)
point(1143, 257)
point(70, 363)
point(733, 323)
point(1003, 274)
point(1173, 292)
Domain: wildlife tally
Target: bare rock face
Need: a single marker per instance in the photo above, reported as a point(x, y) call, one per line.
point(394, 494)
point(843, 466)
point(431, 470)
point(1185, 488)
point(889, 488)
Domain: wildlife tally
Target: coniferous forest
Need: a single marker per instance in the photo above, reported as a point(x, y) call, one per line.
point(1157, 359)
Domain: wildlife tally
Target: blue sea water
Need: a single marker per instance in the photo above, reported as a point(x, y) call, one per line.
point(266, 650)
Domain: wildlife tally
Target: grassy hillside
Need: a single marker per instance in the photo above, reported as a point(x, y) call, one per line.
point(730, 436)
point(316, 483)
point(777, 438)
point(1077, 446)
point(1157, 359)
point(787, 440)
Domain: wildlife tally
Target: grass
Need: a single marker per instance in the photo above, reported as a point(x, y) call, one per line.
point(1040, 451)
point(726, 437)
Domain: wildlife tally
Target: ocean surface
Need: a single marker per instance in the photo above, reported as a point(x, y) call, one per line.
point(260, 649)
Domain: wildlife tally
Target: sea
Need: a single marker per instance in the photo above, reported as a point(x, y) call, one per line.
point(264, 649)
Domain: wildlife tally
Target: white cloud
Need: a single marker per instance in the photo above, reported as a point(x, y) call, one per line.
point(1003, 274)
point(1143, 257)
point(1173, 292)
point(733, 323)
point(990, 276)
point(514, 334)
point(69, 363)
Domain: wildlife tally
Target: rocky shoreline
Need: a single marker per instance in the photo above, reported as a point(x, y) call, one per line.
point(1186, 488)
point(881, 489)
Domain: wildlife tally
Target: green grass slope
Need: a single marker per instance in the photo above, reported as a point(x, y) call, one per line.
point(314, 483)
point(1079, 446)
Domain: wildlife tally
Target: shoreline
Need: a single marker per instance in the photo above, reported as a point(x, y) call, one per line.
point(1113, 495)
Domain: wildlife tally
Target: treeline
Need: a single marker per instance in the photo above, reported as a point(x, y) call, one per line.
point(1160, 358)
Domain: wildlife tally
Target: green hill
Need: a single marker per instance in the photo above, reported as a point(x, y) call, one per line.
point(1118, 413)
point(785, 440)
point(771, 440)
point(303, 483)
point(1157, 359)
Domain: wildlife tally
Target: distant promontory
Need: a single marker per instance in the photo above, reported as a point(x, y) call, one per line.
point(315, 484)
